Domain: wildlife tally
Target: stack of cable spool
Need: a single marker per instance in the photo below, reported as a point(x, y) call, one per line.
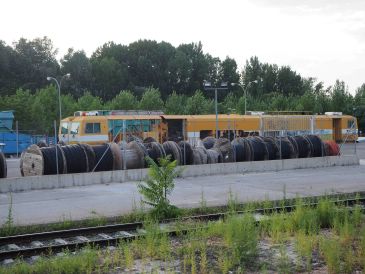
point(3, 167)
point(317, 147)
point(77, 158)
point(331, 148)
point(259, 150)
point(173, 149)
point(187, 153)
point(243, 149)
point(224, 147)
point(304, 146)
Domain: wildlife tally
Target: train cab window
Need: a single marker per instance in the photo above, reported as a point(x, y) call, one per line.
point(92, 128)
point(350, 123)
point(74, 128)
point(64, 128)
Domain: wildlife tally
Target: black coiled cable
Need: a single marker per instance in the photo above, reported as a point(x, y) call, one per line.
point(208, 142)
point(239, 152)
point(3, 167)
point(259, 151)
point(272, 148)
point(186, 152)
point(49, 160)
point(76, 159)
point(304, 146)
point(104, 160)
point(286, 150)
point(316, 145)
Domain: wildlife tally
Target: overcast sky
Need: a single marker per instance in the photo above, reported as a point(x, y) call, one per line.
point(319, 38)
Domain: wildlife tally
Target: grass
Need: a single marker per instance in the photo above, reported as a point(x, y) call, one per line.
point(330, 234)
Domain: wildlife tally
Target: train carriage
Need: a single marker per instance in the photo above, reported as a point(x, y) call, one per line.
point(96, 127)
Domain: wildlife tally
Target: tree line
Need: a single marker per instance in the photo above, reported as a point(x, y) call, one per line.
point(151, 75)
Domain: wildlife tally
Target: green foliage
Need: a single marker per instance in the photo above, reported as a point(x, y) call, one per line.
point(89, 102)
point(198, 104)
point(175, 104)
point(158, 187)
point(125, 100)
point(151, 100)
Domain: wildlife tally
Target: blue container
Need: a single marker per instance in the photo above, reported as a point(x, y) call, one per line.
point(6, 120)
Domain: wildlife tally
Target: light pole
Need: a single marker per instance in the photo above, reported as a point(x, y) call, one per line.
point(59, 90)
point(245, 90)
point(208, 86)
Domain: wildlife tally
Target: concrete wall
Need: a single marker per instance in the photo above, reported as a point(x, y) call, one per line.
point(83, 179)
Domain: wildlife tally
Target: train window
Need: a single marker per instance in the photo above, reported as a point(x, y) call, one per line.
point(64, 128)
point(350, 123)
point(92, 128)
point(74, 128)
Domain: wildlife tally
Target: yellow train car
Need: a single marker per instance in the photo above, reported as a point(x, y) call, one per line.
point(97, 127)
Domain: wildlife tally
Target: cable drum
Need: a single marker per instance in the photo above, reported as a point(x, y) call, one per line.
point(208, 142)
point(304, 146)
point(247, 149)
point(295, 147)
point(3, 167)
point(90, 157)
point(331, 148)
point(50, 162)
point(104, 160)
point(259, 150)
point(271, 147)
point(172, 148)
point(239, 152)
point(286, 149)
point(149, 140)
point(200, 156)
point(224, 146)
point(316, 145)
point(76, 159)
point(155, 151)
point(141, 151)
point(186, 153)
point(214, 157)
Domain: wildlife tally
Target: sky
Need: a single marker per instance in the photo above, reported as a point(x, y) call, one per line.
point(324, 39)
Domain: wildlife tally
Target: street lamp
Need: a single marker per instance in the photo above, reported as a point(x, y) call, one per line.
point(208, 86)
point(245, 90)
point(59, 90)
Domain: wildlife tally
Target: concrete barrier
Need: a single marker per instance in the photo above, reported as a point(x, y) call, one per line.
point(120, 176)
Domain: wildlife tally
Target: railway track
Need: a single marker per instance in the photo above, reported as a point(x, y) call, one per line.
point(53, 242)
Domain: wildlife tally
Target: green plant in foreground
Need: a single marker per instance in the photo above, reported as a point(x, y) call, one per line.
point(8, 227)
point(331, 250)
point(158, 186)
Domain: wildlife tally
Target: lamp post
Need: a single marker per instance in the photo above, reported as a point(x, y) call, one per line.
point(245, 90)
point(208, 86)
point(59, 90)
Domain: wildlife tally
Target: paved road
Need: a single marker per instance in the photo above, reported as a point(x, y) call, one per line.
point(43, 206)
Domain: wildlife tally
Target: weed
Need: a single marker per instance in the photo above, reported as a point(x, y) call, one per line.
point(331, 250)
point(158, 186)
point(283, 262)
point(304, 246)
point(8, 227)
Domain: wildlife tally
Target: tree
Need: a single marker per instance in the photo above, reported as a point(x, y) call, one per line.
point(78, 65)
point(341, 98)
point(151, 100)
point(175, 104)
point(36, 59)
point(159, 186)
point(125, 100)
point(89, 102)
